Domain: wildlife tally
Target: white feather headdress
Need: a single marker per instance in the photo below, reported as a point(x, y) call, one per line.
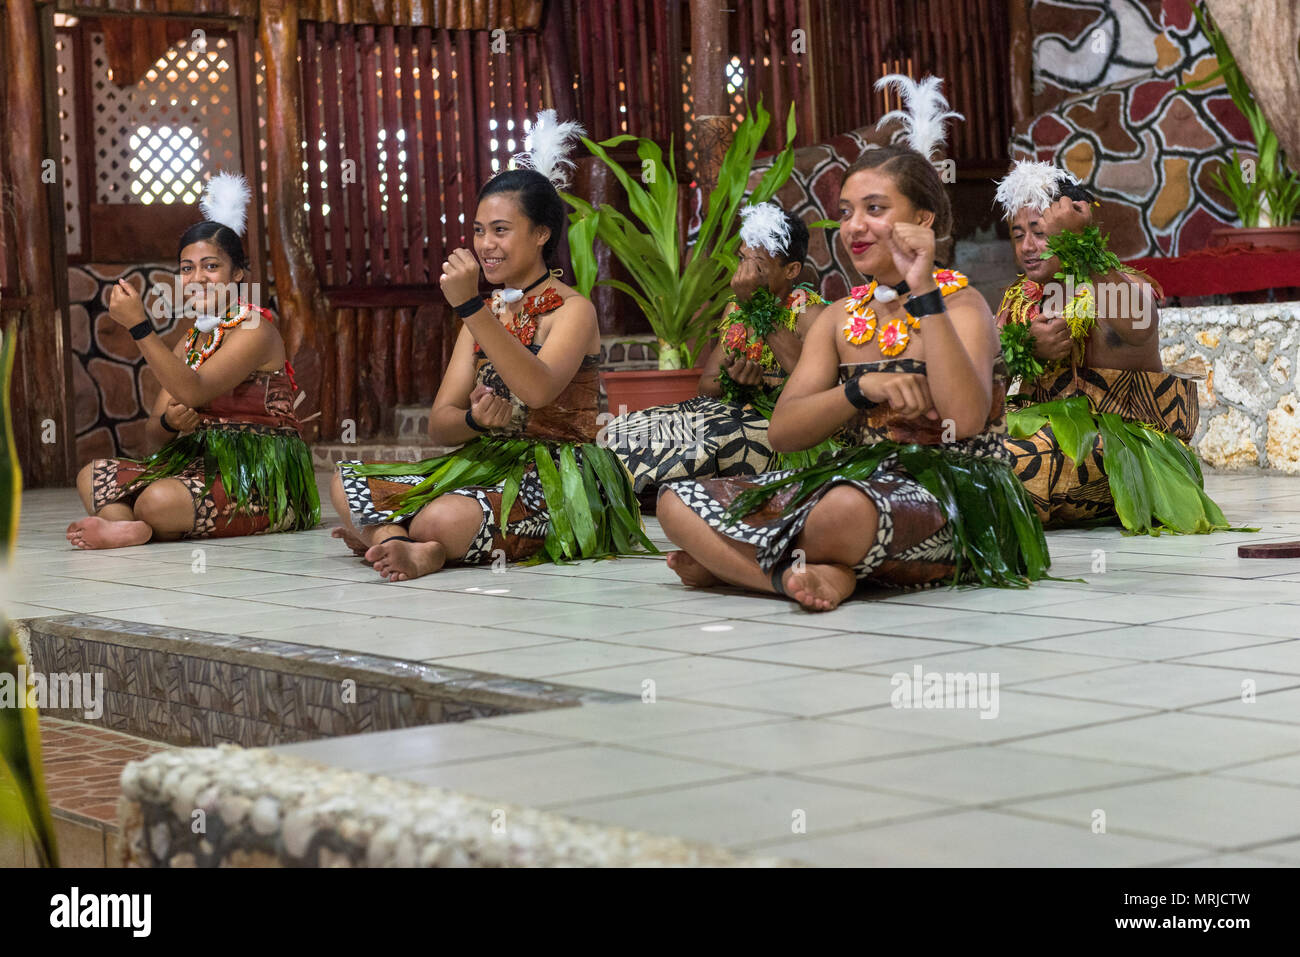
point(1031, 185)
point(923, 114)
point(549, 150)
point(764, 226)
point(225, 201)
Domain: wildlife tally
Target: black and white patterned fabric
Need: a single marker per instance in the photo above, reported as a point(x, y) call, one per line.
point(702, 437)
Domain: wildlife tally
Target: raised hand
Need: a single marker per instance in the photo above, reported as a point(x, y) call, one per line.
point(460, 277)
point(1066, 214)
point(125, 306)
point(912, 247)
point(750, 276)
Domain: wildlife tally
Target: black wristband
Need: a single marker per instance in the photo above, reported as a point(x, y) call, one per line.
point(468, 308)
point(853, 392)
point(469, 420)
point(141, 329)
point(929, 304)
point(162, 420)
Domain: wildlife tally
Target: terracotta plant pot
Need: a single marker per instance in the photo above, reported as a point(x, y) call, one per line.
point(634, 391)
point(1278, 237)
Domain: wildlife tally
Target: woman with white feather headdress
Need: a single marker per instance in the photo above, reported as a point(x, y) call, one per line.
point(232, 460)
point(519, 397)
point(760, 337)
point(907, 374)
point(1088, 346)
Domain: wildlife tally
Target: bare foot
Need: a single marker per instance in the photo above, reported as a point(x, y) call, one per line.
point(690, 571)
point(819, 587)
point(95, 532)
point(351, 539)
point(402, 561)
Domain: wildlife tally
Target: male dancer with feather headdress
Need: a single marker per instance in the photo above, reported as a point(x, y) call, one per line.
point(1106, 435)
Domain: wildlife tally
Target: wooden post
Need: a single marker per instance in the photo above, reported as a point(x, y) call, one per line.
point(712, 122)
point(1021, 63)
point(42, 384)
point(304, 319)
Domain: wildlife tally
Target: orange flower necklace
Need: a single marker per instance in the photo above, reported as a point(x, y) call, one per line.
point(860, 327)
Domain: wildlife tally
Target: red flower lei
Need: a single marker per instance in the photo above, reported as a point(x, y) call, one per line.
point(523, 325)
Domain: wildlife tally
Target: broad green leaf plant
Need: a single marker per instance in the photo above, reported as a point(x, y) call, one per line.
point(680, 291)
point(1269, 195)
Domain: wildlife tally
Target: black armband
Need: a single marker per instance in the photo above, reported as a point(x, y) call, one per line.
point(853, 392)
point(162, 420)
point(468, 308)
point(141, 329)
point(930, 304)
point(469, 420)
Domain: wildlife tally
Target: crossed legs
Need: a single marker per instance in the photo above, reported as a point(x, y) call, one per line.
point(840, 530)
point(162, 512)
point(442, 531)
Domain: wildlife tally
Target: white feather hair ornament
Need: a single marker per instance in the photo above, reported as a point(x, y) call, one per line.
point(923, 114)
point(764, 226)
point(1031, 185)
point(225, 201)
point(550, 147)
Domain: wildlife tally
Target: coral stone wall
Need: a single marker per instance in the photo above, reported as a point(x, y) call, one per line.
point(1120, 125)
point(1250, 406)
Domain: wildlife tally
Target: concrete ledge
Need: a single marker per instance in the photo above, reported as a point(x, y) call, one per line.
point(189, 687)
point(230, 807)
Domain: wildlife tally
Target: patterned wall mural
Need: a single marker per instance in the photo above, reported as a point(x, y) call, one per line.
point(1147, 150)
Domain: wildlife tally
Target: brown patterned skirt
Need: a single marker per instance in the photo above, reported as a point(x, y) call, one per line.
point(1067, 493)
point(912, 547)
point(114, 481)
point(371, 499)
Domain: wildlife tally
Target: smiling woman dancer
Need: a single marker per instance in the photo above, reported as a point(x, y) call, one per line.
point(519, 395)
point(232, 461)
point(915, 387)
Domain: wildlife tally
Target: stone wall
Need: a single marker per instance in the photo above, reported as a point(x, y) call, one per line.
point(261, 809)
point(1148, 150)
point(1248, 354)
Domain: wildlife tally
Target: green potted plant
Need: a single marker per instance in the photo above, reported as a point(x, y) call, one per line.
point(1266, 198)
point(680, 291)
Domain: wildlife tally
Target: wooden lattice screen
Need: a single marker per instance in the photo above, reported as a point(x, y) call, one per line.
point(402, 126)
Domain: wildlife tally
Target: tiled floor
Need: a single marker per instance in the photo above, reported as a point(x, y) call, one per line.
point(1150, 715)
point(82, 766)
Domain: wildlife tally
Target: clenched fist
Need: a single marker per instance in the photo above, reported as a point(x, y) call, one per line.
point(460, 276)
point(490, 410)
point(181, 417)
point(912, 247)
point(125, 306)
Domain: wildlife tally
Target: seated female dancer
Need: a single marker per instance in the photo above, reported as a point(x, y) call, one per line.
point(232, 460)
point(520, 390)
point(923, 492)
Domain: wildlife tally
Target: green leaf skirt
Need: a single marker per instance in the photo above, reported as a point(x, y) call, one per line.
point(996, 536)
point(267, 467)
point(1154, 478)
point(592, 508)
